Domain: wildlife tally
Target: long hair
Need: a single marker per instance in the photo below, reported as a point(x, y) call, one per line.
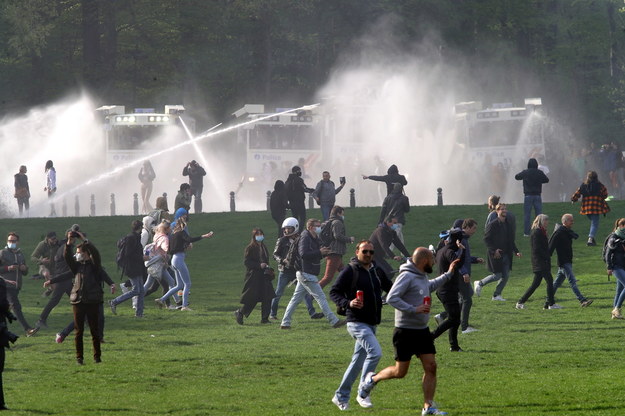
point(93, 252)
point(49, 165)
point(180, 225)
point(539, 221)
point(255, 232)
point(591, 176)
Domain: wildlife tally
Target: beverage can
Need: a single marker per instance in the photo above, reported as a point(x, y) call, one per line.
point(427, 300)
point(360, 295)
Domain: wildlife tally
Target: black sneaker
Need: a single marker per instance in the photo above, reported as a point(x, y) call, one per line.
point(317, 315)
point(238, 316)
point(97, 360)
point(79, 361)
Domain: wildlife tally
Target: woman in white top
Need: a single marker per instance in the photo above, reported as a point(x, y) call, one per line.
point(50, 184)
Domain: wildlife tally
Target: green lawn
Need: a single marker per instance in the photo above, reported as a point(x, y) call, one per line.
point(529, 362)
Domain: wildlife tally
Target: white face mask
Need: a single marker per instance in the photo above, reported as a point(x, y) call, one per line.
point(79, 257)
point(318, 230)
point(12, 245)
point(259, 238)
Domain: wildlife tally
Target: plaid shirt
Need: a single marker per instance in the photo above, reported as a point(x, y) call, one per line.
point(592, 204)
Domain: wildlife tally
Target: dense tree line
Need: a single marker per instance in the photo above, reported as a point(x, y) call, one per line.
point(219, 54)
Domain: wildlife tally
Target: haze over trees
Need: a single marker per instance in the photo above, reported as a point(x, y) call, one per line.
point(219, 54)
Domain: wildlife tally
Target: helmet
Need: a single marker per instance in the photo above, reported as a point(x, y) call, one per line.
point(291, 222)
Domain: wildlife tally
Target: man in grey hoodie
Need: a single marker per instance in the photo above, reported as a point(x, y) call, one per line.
point(412, 335)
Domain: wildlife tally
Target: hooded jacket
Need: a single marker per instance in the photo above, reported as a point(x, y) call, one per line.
point(392, 176)
point(533, 178)
point(561, 242)
point(408, 291)
point(372, 282)
point(278, 202)
point(395, 204)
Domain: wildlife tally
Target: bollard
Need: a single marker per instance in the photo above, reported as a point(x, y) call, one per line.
point(92, 207)
point(112, 204)
point(439, 201)
point(64, 207)
point(311, 203)
point(232, 203)
point(76, 207)
point(352, 198)
point(135, 204)
point(268, 200)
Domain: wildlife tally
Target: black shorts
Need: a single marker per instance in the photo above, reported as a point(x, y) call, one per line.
point(409, 342)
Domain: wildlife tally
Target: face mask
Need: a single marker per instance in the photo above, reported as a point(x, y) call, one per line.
point(79, 257)
point(342, 217)
point(12, 245)
point(395, 227)
point(299, 173)
point(318, 230)
point(259, 238)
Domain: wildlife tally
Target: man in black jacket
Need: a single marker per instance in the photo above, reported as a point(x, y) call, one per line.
point(363, 317)
point(295, 192)
point(196, 174)
point(533, 179)
point(561, 242)
point(134, 269)
point(382, 238)
point(392, 176)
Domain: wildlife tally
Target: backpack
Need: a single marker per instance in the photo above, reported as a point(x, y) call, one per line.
point(293, 260)
point(326, 236)
point(157, 214)
point(122, 252)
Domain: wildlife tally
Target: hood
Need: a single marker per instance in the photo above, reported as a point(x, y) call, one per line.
point(393, 170)
point(278, 186)
point(409, 266)
point(161, 203)
point(180, 212)
point(147, 222)
point(532, 164)
point(458, 223)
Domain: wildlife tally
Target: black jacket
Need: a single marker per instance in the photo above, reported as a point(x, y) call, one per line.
point(539, 246)
point(561, 242)
point(196, 176)
point(310, 251)
point(372, 282)
point(444, 257)
point(395, 204)
point(280, 251)
point(615, 252)
point(278, 203)
point(382, 238)
point(88, 280)
point(390, 178)
point(499, 235)
point(135, 266)
point(533, 178)
point(296, 189)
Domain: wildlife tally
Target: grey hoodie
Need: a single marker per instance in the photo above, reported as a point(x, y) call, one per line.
point(408, 291)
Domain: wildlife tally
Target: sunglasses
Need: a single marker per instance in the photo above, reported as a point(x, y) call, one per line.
point(367, 251)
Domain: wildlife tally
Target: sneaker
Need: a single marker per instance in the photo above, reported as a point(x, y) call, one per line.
point(555, 306)
point(238, 316)
point(273, 318)
point(477, 288)
point(97, 360)
point(59, 338)
point(113, 307)
point(159, 303)
point(364, 401)
point(31, 331)
point(317, 315)
point(469, 330)
point(79, 361)
point(455, 349)
point(339, 323)
point(340, 405)
point(432, 411)
point(520, 305)
point(526, 235)
point(185, 308)
point(498, 298)
point(616, 314)
point(285, 327)
point(439, 319)
point(366, 386)
point(591, 242)
point(586, 302)
point(265, 321)
point(172, 307)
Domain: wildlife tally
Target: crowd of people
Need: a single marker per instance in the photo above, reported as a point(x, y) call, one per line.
point(153, 255)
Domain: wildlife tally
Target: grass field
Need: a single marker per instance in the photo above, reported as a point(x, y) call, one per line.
point(529, 362)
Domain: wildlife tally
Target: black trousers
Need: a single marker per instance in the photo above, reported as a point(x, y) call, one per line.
point(538, 277)
point(91, 311)
point(452, 307)
point(60, 289)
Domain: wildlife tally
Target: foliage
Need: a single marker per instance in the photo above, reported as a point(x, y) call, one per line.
point(529, 362)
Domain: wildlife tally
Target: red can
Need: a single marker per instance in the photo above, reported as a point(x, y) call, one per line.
point(427, 300)
point(360, 295)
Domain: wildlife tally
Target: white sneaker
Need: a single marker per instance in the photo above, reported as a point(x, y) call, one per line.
point(520, 305)
point(498, 298)
point(432, 411)
point(477, 288)
point(340, 405)
point(555, 306)
point(439, 319)
point(364, 401)
point(469, 330)
point(366, 386)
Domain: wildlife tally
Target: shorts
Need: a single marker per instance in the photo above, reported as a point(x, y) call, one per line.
point(408, 342)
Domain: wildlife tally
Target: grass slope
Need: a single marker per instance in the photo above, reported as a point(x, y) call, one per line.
point(530, 362)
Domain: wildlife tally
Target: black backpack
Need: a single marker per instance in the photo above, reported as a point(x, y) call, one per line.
point(293, 260)
point(326, 236)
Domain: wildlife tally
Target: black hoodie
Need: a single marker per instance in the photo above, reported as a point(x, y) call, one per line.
point(533, 178)
point(390, 178)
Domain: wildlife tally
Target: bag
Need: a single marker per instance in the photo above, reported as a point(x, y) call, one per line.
point(339, 309)
point(293, 260)
point(21, 193)
point(269, 273)
point(326, 236)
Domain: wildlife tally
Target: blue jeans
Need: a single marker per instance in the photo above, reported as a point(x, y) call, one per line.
point(594, 224)
point(137, 290)
point(325, 211)
point(529, 202)
point(619, 296)
point(284, 278)
point(502, 276)
point(367, 355)
point(566, 270)
point(183, 279)
point(308, 283)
